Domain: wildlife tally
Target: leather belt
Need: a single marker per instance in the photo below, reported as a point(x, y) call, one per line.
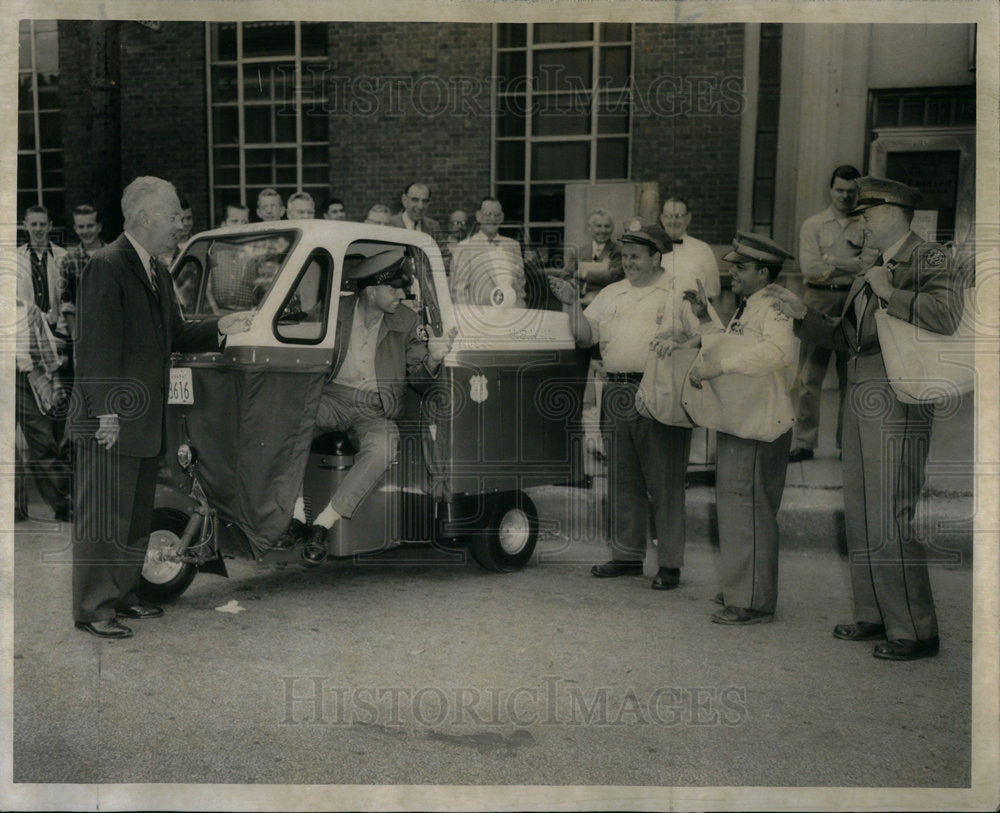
point(821, 287)
point(624, 378)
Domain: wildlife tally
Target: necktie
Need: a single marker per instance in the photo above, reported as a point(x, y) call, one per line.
point(39, 281)
point(152, 277)
point(739, 312)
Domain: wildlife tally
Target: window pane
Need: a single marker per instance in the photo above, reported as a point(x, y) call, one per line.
point(511, 197)
point(229, 175)
point(562, 162)
point(913, 112)
point(510, 66)
point(887, 111)
point(48, 93)
point(287, 175)
point(965, 111)
point(315, 125)
point(25, 131)
point(314, 39)
point(52, 169)
point(767, 108)
point(562, 114)
point(25, 98)
point(612, 159)
point(24, 46)
point(615, 32)
point(284, 124)
point(268, 39)
point(257, 121)
point(314, 175)
point(938, 111)
point(511, 116)
point(766, 158)
point(225, 125)
point(49, 133)
point(27, 178)
point(512, 35)
point(548, 202)
point(224, 84)
point(615, 67)
point(563, 32)
point(510, 160)
point(555, 70)
point(46, 47)
point(224, 41)
point(316, 155)
point(613, 113)
point(260, 176)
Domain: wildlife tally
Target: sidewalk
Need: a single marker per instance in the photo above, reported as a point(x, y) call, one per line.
point(812, 509)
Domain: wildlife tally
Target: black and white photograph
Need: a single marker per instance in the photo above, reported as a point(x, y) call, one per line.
point(500, 405)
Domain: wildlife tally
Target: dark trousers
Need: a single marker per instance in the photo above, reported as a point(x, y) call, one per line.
point(114, 508)
point(749, 482)
point(648, 461)
point(45, 464)
point(885, 449)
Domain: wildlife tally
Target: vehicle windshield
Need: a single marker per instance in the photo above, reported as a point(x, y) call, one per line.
point(234, 273)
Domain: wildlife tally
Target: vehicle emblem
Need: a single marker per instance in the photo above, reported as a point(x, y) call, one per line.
point(477, 388)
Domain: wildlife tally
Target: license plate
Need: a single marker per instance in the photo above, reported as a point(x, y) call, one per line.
point(181, 386)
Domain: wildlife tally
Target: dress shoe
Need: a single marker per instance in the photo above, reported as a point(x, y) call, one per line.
point(798, 455)
point(905, 650)
point(314, 549)
point(667, 578)
point(108, 628)
point(138, 611)
point(610, 570)
point(859, 631)
point(291, 536)
point(739, 616)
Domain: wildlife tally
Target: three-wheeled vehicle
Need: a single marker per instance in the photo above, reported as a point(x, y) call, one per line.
point(501, 417)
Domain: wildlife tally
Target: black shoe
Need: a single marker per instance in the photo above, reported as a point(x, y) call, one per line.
point(904, 650)
point(668, 578)
point(314, 549)
point(740, 616)
point(610, 570)
point(859, 631)
point(109, 628)
point(138, 611)
point(798, 455)
point(291, 536)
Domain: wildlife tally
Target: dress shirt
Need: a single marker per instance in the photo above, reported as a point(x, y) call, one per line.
point(690, 260)
point(481, 264)
point(358, 369)
point(834, 234)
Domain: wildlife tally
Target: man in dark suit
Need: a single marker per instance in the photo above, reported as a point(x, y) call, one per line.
point(415, 200)
point(885, 441)
point(129, 324)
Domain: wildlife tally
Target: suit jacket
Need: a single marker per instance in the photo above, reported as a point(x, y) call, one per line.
point(400, 353)
point(428, 225)
point(928, 294)
point(122, 356)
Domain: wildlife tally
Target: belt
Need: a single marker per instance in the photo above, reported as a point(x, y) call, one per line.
point(821, 287)
point(624, 378)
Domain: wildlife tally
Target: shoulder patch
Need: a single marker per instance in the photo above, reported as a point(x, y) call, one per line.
point(935, 257)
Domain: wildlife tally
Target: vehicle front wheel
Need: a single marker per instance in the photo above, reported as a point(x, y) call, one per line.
point(508, 540)
point(162, 579)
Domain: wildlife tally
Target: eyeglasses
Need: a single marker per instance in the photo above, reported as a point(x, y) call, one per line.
point(172, 218)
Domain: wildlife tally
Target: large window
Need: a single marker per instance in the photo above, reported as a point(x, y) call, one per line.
point(39, 143)
point(562, 114)
point(267, 111)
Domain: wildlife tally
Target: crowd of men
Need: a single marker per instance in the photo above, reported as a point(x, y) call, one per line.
point(650, 291)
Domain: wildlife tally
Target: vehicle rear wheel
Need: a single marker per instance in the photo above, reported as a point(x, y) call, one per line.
point(162, 579)
point(508, 540)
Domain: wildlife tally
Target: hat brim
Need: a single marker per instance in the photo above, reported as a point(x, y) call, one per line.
point(643, 241)
point(736, 257)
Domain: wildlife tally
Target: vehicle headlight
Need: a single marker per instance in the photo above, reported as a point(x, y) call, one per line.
point(186, 455)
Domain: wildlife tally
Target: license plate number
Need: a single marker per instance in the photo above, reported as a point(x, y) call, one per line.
point(181, 386)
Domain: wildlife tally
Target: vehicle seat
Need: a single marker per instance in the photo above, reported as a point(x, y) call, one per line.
point(333, 443)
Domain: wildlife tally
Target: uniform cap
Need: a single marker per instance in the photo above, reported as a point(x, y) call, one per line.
point(748, 247)
point(384, 268)
point(652, 236)
point(881, 191)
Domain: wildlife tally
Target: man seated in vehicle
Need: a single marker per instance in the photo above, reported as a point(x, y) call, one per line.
point(381, 348)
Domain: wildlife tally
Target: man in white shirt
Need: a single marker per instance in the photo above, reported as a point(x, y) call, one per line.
point(691, 259)
point(487, 268)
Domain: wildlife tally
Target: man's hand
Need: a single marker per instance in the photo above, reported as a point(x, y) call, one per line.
point(107, 433)
point(564, 290)
point(666, 345)
point(784, 301)
point(699, 302)
point(703, 371)
point(238, 322)
point(880, 280)
point(440, 346)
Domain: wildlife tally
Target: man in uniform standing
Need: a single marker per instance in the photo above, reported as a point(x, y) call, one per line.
point(885, 441)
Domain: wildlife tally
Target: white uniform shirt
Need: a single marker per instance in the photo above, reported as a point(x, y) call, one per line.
point(625, 319)
point(690, 260)
point(770, 344)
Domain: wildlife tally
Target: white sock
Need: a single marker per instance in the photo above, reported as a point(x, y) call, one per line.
point(327, 517)
point(299, 511)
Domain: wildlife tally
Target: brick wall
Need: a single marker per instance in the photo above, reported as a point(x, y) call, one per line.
point(163, 109)
point(400, 111)
point(686, 124)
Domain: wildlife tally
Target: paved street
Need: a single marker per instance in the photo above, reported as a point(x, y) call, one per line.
point(393, 672)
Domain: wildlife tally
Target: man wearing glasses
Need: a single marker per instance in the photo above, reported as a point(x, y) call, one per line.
point(690, 259)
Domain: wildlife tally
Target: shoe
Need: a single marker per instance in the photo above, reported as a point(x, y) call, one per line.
point(667, 578)
point(138, 611)
point(109, 628)
point(859, 631)
point(904, 650)
point(291, 536)
point(740, 615)
point(610, 570)
point(719, 600)
point(798, 455)
point(314, 548)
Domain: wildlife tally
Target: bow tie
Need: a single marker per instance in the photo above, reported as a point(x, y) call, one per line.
point(677, 242)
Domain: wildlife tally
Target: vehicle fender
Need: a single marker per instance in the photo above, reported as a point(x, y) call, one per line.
point(168, 496)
